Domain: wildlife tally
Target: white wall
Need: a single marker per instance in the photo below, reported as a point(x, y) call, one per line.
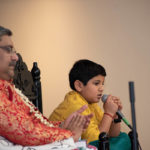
point(114, 33)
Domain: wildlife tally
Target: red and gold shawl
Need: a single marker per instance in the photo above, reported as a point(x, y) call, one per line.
point(19, 125)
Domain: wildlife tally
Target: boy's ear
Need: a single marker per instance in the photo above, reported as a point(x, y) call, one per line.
point(78, 85)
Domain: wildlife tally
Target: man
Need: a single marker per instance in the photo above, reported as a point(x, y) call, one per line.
point(20, 122)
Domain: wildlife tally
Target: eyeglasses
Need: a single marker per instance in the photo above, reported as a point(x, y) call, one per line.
point(8, 49)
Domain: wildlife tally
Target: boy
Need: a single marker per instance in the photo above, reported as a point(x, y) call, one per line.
point(87, 82)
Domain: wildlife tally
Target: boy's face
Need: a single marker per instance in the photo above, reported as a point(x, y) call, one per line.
point(93, 90)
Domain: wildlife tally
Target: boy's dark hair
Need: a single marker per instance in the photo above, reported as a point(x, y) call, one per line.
point(5, 31)
point(83, 70)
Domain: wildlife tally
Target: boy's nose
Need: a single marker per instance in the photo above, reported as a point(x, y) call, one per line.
point(101, 88)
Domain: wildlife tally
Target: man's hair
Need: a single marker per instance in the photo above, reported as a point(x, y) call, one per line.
point(4, 31)
point(83, 70)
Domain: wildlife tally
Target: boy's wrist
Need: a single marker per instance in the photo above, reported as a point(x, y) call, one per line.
point(115, 117)
point(109, 114)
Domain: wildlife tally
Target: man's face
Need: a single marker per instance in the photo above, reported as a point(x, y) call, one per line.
point(8, 58)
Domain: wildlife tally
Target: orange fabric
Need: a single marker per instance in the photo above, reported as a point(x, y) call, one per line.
point(20, 126)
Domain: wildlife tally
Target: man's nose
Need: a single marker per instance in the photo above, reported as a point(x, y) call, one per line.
point(15, 56)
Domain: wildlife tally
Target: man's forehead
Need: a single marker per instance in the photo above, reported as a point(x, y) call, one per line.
point(5, 40)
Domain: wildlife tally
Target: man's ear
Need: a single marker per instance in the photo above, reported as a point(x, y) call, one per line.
point(78, 85)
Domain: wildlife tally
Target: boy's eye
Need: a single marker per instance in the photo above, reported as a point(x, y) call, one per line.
point(96, 83)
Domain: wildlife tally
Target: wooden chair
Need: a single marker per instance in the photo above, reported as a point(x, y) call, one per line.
point(29, 82)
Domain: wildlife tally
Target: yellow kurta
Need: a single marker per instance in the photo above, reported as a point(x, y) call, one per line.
point(72, 102)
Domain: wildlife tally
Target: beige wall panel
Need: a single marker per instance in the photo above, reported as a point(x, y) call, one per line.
point(114, 33)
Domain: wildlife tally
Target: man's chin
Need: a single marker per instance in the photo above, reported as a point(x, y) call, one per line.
point(11, 74)
point(7, 75)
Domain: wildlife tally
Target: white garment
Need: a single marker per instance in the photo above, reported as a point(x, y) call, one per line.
point(67, 144)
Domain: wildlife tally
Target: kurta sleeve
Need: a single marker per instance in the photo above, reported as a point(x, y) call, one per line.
point(92, 132)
